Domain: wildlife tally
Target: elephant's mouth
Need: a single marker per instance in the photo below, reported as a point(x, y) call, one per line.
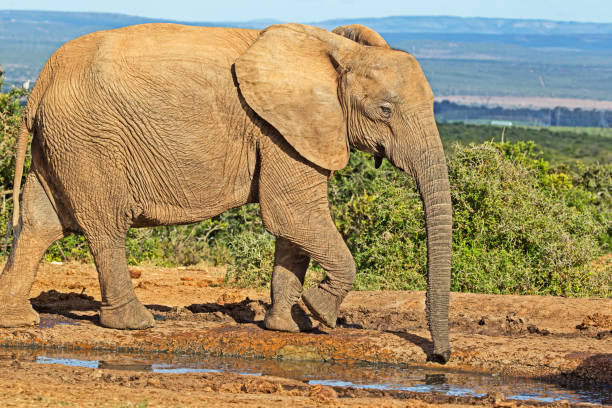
point(381, 153)
point(377, 161)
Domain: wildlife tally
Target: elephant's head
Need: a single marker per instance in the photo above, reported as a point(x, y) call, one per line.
point(327, 91)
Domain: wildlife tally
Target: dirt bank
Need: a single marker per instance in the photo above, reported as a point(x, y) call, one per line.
point(567, 341)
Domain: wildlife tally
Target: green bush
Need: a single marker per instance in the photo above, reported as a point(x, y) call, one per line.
point(10, 118)
point(521, 225)
point(597, 181)
point(379, 213)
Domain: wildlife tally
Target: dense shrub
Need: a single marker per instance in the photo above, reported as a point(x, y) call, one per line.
point(379, 213)
point(10, 117)
point(521, 225)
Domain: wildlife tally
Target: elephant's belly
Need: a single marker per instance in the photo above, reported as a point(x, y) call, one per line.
point(156, 215)
point(204, 190)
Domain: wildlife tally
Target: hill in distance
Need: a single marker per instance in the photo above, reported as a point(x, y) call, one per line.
point(460, 56)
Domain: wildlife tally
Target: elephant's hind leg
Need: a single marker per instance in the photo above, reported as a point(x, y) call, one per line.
point(39, 226)
point(120, 309)
point(290, 265)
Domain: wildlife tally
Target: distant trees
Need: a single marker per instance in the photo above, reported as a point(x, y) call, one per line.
point(448, 111)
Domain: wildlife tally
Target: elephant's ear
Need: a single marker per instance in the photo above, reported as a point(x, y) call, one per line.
point(362, 35)
point(288, 78)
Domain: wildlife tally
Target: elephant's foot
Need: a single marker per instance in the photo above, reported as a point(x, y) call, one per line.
point(301, 318)
point(131, 315)
point(323, 305)
point(282, 319)
point(440, 357)
point(19, 315)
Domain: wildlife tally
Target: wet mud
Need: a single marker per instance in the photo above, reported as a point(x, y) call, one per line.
point(360, 377)
point(564, 344)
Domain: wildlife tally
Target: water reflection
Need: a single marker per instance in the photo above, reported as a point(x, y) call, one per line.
point(415, 379)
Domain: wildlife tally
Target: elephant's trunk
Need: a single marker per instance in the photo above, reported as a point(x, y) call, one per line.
point(427, 165)
point(432, 181)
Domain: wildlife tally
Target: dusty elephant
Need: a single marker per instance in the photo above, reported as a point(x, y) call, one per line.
point(163, 124)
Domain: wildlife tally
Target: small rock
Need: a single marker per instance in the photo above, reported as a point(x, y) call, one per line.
point(135, 273)
point(495, 398)
point(229, 297)
point(154, 382)
point(232, 388)
point(513, 317)
point(514, 323)
point(535, 330)
point(322, 392)
point(259, 386)
point(596, 319)
point(109, 377)
point(604, 334)
point(143, 285)
point(295, 393)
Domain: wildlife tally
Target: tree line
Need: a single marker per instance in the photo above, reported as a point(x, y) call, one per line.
point(446, 111)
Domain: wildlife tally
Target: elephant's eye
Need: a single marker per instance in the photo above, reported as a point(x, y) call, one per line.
point(385, 111)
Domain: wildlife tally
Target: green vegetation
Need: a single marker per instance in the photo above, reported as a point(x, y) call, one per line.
point(10, 117)
point(524, 222)
point(567, 146)
point(520, 226)
point(589, 131)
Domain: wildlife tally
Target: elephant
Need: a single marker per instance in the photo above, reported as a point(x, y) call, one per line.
point(165, 124)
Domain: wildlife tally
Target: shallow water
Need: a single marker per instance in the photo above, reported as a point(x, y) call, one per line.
point(415, 379)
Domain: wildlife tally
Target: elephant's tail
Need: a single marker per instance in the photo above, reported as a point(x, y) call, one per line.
point(27, 125)
point(22, 145)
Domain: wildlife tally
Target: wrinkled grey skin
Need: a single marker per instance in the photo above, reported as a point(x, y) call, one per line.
point(163, 124)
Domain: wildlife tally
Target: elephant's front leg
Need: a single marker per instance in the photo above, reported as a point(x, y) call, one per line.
point(290, 265)
point(315, 234)
point(294, 206)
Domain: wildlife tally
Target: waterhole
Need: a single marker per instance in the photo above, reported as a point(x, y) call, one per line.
point(415, 379)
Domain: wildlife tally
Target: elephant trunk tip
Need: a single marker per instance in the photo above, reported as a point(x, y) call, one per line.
point(440, 358)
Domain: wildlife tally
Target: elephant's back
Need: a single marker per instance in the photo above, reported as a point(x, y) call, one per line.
point(166, 73)
point(160, 40)
point(162, 54)
point(165, 49)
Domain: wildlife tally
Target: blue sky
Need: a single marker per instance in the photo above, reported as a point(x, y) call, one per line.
point(315, 10)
